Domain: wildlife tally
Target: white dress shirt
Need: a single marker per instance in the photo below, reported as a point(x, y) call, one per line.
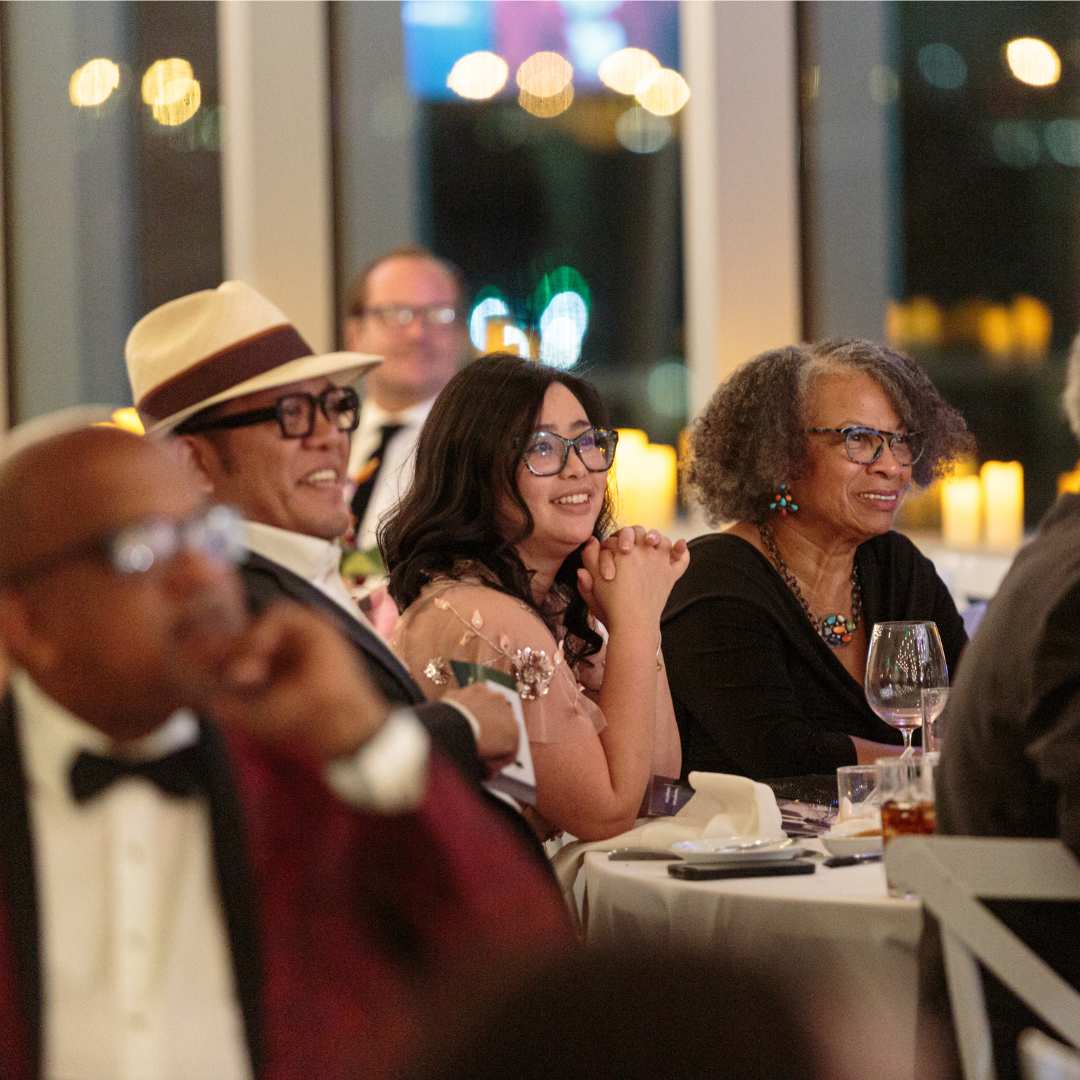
point(396, 472)
point(137, 972)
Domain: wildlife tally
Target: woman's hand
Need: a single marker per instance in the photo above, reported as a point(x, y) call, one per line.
point(627, 578)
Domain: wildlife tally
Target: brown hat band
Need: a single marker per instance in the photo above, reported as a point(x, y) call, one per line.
point(227, 368)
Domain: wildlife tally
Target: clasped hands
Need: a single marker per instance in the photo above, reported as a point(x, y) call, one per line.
point(629, 575)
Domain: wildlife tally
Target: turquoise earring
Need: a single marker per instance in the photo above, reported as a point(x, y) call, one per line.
point(784, 502)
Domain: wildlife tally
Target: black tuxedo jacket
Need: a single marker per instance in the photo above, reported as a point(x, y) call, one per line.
point(266, 581)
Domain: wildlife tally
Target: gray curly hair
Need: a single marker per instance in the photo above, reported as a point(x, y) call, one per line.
point(751, 436)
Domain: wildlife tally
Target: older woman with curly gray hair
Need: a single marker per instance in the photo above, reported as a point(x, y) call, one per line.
point(808, 451)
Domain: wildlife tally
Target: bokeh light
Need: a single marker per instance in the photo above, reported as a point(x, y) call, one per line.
point(942, 66)
point(514, 339)
point(166, 81)
point(1033, 61)
point(562, 329)
point(668, 389)
point(1016, 143)
point(184, 105)
point(1062, 138)
point(544, 74)
point(489, 305)
point(641, 132)
point(547, 107)
point(663, 93)
point(623, 70)
point(127, 419)
point(478, 75)
point(93, 83)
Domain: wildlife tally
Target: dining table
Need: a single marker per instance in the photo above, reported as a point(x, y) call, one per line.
point(844, 947)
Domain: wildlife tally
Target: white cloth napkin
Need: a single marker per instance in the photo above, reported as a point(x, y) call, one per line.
point(722, 805)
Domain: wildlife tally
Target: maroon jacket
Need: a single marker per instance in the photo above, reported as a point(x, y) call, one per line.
point(346, 928)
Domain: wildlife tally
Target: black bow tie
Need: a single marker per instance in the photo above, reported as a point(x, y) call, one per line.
point(179, 773)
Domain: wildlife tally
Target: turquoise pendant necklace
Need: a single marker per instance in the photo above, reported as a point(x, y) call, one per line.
point(835, 629)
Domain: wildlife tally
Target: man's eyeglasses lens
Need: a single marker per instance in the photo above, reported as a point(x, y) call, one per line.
point(546, 453)
point(296, 412)
point(217, 534)
point(399, 316)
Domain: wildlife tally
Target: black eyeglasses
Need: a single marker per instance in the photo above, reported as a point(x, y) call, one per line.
point(216, 532)
point(295, 414)
point(863, 445)
point(546, 453)
point(400, 316)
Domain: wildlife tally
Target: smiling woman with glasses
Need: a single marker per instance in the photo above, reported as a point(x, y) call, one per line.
point(494, 559)
point(806, 453)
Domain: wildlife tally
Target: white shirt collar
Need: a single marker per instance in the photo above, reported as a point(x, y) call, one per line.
point(52, 736)
point(309, 557)
point(373, 416)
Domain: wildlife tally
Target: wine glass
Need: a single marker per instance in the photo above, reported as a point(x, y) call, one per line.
point(905, 658)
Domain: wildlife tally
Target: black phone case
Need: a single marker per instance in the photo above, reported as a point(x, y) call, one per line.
point(711, 871)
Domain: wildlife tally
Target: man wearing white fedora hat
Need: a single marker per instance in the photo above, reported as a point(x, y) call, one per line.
point(267, 422)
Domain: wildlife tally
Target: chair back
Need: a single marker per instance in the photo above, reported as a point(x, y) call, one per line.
point(951, 874)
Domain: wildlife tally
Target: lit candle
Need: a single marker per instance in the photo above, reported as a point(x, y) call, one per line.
point(961, 499)
point(644, 479)
point(1003, 497)
point(1069, 482)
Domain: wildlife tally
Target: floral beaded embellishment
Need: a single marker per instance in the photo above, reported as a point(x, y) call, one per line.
point(437, 670)
point(837, 630)
point(784, 502)
point(531, 668)
point(532, 671)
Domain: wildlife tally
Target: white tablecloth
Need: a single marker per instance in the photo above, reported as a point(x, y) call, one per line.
point(845, 948)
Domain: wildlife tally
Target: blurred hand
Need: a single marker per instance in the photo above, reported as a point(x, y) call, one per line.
point(292, 680)
point(601, 562)
point(497, 743)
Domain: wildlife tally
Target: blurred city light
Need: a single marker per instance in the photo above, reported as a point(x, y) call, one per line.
point(668, 389)
point(183, 106)
point(1016, 142)
point(544, 74)
point(478, 75)
point(562, 329)
point(166, 81)
point(641, 132)
point(663, 93)
point(1062, 138)
point(92, 83)
point(591, 40)
point(547, 107)
point(942, 66)
point(1033, 61)
point(623, 70)
point(489, 305)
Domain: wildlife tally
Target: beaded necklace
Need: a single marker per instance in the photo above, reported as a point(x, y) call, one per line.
point(836, 629)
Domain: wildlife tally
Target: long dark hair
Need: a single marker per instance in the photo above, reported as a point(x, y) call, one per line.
point(466, 462)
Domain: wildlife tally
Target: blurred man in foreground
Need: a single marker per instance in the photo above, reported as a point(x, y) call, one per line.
point(182, 898)
point(408, 307)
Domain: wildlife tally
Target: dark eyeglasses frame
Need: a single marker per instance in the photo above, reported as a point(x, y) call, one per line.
point(575, 443)
point(890, 437)
point(116, 547)
point(402, 316)
point(277, 412)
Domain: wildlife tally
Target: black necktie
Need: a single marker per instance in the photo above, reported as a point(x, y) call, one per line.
point(371, 471)
point(179, 773)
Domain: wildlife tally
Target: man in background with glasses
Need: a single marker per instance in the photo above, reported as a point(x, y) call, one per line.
point(266, 423)
point(199, 874)
point(408, 307)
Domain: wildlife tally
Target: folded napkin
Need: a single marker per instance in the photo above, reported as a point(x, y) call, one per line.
point(722, 805)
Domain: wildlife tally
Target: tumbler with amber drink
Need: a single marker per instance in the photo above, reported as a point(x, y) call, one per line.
point(907, 799)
